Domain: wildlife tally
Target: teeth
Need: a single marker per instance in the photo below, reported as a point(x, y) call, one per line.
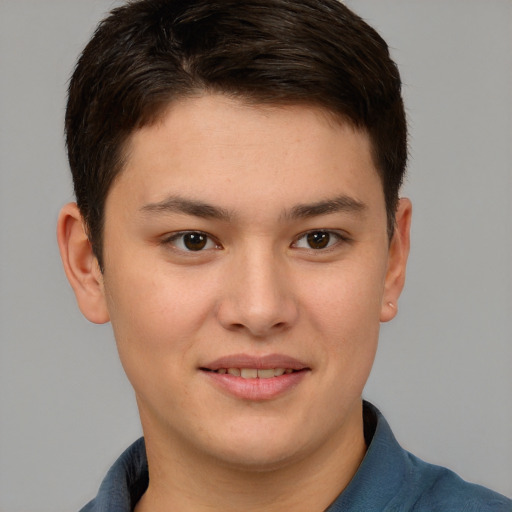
point(266, 374)
point(253, 373)
point(248, 373)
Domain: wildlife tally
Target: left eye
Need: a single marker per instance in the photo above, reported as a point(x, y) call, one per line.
point(191, 241)
point(317, 240)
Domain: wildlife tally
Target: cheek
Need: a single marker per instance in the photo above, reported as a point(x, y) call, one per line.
point(345, 314)
point(155, 315)
point(347, 299)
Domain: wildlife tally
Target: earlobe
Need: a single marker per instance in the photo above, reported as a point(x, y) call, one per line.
point(397, 261)
point(81, 265)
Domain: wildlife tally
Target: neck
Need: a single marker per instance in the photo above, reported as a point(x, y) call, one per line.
point(185, 481)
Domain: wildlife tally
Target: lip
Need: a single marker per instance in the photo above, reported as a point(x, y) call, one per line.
point(259, 362)
point(255, 389)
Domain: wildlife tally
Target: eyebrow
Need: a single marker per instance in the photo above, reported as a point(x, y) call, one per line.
point(176, 204)
point(338, 204)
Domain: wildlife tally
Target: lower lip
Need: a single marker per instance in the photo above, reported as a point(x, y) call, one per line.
point(256, 389)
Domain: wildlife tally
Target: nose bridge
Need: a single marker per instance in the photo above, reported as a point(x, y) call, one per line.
point(260, 295)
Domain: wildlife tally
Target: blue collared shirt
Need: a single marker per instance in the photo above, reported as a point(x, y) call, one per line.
point(389, 479)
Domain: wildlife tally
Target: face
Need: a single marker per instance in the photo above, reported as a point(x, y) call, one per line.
point(247, 269)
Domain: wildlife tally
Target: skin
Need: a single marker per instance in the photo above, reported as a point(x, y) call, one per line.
point(257, 288)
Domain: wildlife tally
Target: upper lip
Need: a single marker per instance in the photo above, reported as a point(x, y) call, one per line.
point(259, 362)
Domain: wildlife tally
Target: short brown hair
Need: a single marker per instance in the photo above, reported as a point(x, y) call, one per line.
point(149, 53)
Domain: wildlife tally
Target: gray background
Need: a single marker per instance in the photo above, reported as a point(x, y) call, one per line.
point(442, 375)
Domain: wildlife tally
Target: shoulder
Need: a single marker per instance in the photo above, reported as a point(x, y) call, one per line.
point(391, 479)
point(435, 488)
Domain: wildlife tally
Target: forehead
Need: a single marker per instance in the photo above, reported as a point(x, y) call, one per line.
point(228, 151)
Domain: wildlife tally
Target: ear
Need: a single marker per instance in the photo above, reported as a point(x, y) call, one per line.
point(80, 264)
point(397, 261)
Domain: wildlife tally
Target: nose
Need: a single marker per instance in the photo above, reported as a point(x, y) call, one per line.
point(258, 298)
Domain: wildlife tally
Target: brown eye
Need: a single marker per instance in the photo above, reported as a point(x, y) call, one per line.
point(191, 241)
point(318, 239)
point(195, 241)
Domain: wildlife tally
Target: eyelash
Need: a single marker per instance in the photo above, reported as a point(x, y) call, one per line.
point(334, 238)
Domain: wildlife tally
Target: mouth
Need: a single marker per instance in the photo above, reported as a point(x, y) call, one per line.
point(254, 373)
point(256, 378)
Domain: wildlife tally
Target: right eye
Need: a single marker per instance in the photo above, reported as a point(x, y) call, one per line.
point(191, 241)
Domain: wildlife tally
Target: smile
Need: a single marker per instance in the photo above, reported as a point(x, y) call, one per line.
point(254, 373)
point(256, 378)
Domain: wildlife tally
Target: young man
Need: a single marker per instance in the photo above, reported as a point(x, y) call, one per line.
point(237, 166)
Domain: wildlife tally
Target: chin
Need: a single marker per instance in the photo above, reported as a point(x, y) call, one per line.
point(261, 451)
point(259, 460)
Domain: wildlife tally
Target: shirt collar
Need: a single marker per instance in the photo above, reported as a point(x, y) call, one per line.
point(125, 483)
point(382, 471)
